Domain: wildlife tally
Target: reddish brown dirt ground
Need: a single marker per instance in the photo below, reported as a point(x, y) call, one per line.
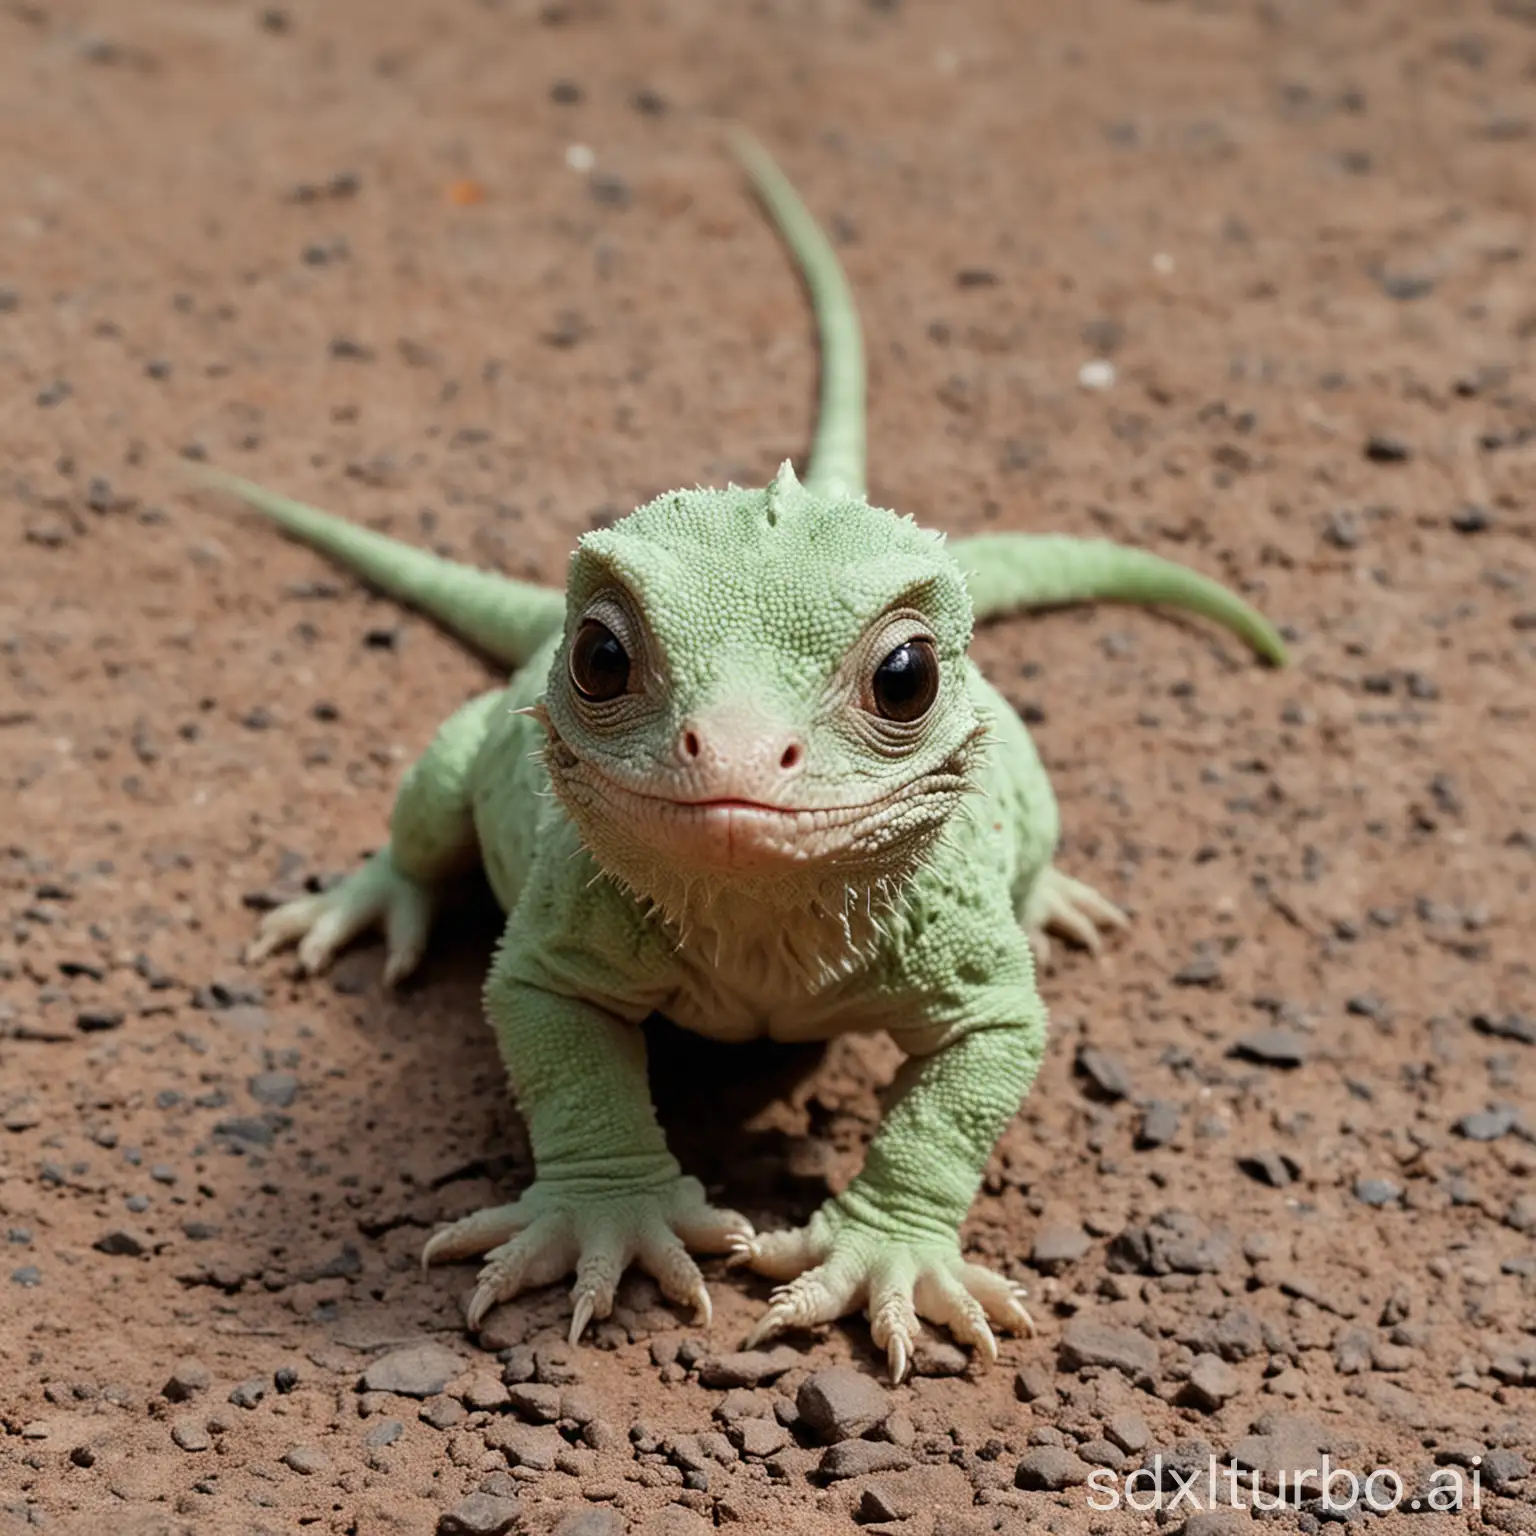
point(342, 249)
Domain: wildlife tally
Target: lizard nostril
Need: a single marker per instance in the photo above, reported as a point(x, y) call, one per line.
point(791, 756)
point(690, 743)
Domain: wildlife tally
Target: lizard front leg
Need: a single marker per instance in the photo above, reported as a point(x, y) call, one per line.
point(606, 1191)
point(432, 839)
point(890, 1242)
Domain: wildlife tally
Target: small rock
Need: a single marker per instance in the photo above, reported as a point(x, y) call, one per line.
point(1057, 1246)
point(1102, 1453)
point(420, 1370)
point(555, 1365)
point(1377, 1192)
point(1487, 1125)
point(123, 1242)
point(481, 1514)
point(534, 1401)
point(591, 1522)
point(1129, 1431)
point(1471, 518)
point(861, 1458)
point(759, 1437)
point(526, 1445)
point(747, 1367)
point(1218, 1522)
point(277, 1089)
point(1381, 448)
point(933, 1357)
point(385, 1432)
point(1520, 1027)
point(1211, 1382)
point(442, 1413)
point(1352, 1352)
point(1159, 1125)
point(191, 1435)
point(187, 1379)
point(1051, 1468)
point(249, 1393)
point(840, 1403)
point(1086, 1342)
point(1273, 1047)
point(881, 1503)
point(285, 1378)
point(1268, 1166)
point(306, 1460)
point(1031, 1384)
point(1201, 971)
point(1105, 1072)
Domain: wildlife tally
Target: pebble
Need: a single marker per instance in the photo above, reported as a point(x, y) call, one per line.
point(191, 1434)
point(1051, 1468)
point(938, 1358)
point(1275, 1047)
point(1268, 1166)
point(249, 1393)
point(591, 1522)
point(534, 1401)
point(277, 1089)
point(1057, 1246)
point(306, 1460)
point(1098, 374)
point(759, 1437)
point(1129, 1431)
point(526, 1445)
point(1159, 1125)
point(385, 1432)
point(1487, 1125)
point(840, 1403)
point(420, 1370)
point(747, 1367)
point(1087, 1342)
point(123, 1242)
point(1211, 1382)
point(481, 1514)
point(1377, 1192)
point(442, 1413)
point(860, 1458)
point(1382, 448)
point(1105, 1072)
point(187, 1379)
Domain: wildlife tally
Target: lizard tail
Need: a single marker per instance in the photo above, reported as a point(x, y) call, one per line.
point(837, 466)
point(1008, 572)
point(504, 618)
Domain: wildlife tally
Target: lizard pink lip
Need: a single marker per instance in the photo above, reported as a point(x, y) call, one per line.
point(730, 802)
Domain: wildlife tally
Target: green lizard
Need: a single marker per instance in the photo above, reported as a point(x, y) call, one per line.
point(785, 803)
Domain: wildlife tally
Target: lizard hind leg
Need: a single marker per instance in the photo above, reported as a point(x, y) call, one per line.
point(1058, 903)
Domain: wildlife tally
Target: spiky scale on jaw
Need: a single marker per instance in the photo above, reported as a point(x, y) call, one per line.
point(723, 822)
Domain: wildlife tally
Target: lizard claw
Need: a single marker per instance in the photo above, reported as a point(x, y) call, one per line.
point(581, 1315)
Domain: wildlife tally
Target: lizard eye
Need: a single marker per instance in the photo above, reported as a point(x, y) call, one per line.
point(599, 663)
point(906, 683)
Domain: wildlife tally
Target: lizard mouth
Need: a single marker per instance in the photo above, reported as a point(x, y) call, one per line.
point(741, 834)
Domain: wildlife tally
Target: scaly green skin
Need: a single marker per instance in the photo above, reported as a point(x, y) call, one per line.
point(743, 839)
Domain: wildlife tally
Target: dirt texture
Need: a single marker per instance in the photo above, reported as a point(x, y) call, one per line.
point(480, 274)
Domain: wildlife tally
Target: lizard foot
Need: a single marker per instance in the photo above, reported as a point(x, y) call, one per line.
point(835, 1264)
point(1070, 908)
point(552, 1229)
point(323, 925)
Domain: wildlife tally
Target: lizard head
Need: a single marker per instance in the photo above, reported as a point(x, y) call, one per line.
point(762, 689)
